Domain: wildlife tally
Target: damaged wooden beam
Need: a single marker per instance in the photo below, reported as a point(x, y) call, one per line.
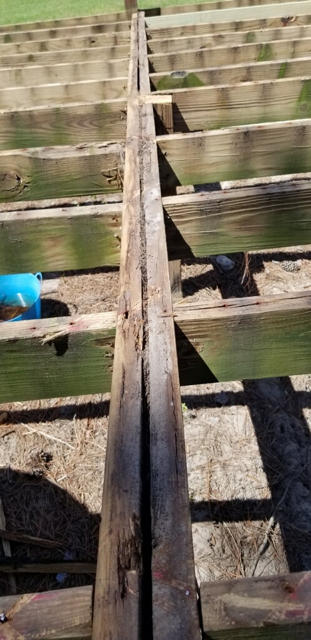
point(46, 172)
point(265, 607)
point(172, 606)
point(63, 124)
point(234, 153)
point(55, 239)
point(244, 338)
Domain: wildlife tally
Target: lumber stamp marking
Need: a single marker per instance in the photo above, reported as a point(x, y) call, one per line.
point(174, 605)
point(119, 594)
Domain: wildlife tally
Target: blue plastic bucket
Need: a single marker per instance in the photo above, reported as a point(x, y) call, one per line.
point(22, 290)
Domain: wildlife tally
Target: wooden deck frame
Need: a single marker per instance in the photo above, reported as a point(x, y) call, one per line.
point(79, 54)
point(136, 578)
point(121, 28)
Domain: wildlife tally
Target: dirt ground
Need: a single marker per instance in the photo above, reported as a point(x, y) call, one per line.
point(248, 447)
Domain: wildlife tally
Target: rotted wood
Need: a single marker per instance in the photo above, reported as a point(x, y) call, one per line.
point(120, 593)
point(60, 614)
point(172, 584)
point(251, 608)
point(63, 125)
point(244, 338)
point(58, 94)
point(27, 174)
point(53, 239)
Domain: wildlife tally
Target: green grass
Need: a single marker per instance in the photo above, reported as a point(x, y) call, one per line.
point(14, 11)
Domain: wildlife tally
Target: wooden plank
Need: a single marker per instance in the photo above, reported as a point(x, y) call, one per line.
point(60, 56)
point(67, 32)
point(221, 56)
point(265, 607)
point(46, 172)
point(62, 93)
point(107, 40)
point(238, 338)
point(232, 74)
point(239, 219)
point(174, 267)
point(60, 614)
point(172, 606)
point(243, 26)
point(73, 21)
point(248, 12)
point(63, 125)
point(73, 568)
point(120, 593)
point(38, 357)
point(234, 153)
point(229, 38)
point(60, 238)
point(53, 203)
point(62, 72)
point(228, 105)
point(211, 6)
point(130, 6)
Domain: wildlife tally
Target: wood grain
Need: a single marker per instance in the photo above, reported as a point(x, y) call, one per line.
point(119, 593)
point(122, 28)
point(274, 606)
point(221, 56)
point(173, 591)
point(56, 357)
point(239, 219)
point(111, 41)
point(237, 152)
point(63, 125)
point(82, 54)
point(60, 238)
point(244, 338)
point(46, 172)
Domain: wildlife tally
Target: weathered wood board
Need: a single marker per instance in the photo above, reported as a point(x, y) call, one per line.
point(234, 153)
point(239, 219)
point(244, 338)
point(63, 125)
point(275, 607)
point(122, 28)
point(69, 54)
point(76, 237)
point(46, 172)
point(57, 94)
point(73, 21)
point(108, 40)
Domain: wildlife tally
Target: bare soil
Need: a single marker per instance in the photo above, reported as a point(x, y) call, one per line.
point(248, 447)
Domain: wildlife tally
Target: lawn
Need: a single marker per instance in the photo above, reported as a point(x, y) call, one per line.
point(29, 10)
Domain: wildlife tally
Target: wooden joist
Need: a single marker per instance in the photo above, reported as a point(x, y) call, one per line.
point(232, 74)
point(54, 239)
point(60, 56)
point(216, 4)
point(107, 40)
point(63, 125)
point(239, 218)
point(77, 21)
point(62, 72)
point(62, 614)
point(47, 172)
point(120, 594)
point(256, 337)
point(303, 7)
point(242, 26)
point(221, 56)
point(172, 600)
point(181, 43)
point(275, 607)
point(251, 102)
point(56, 94)
point(121, 28)
point(202, 157)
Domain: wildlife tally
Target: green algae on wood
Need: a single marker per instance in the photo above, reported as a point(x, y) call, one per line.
point(265, 53)
point(179, 80)
point(303, 107)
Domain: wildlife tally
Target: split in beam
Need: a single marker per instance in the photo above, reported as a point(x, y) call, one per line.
point(234, 153)
point(221, 56)
point(63, 125)
point(46, 172)
point(229, 105)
